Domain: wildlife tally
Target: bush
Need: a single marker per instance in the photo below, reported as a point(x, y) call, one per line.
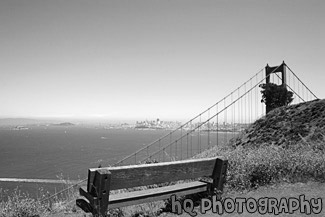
point(275, 96)
point(21, 205)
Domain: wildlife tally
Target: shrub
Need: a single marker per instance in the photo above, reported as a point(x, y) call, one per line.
point(275, 96)
point(21, 205)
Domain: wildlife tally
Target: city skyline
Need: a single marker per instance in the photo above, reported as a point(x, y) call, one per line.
point(133, 60)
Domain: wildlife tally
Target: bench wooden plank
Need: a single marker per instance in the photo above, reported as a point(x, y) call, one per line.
point(149, 174)
point(155, 194)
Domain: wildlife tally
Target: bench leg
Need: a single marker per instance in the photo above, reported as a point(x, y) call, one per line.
point(102, 185)
point(97, 193)
point(219, 175)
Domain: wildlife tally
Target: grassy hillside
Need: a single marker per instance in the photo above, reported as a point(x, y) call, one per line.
point(288, 144)
point(287, 126)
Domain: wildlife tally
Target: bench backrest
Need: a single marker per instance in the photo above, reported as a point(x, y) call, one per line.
point(149, 174)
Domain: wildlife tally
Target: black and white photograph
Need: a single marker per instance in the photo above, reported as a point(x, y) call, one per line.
point(148, 108)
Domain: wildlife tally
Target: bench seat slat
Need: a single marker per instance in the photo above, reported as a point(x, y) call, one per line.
point(154, 194)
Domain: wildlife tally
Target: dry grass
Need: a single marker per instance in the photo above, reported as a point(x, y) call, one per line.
point(19, 205)
point(250, 167)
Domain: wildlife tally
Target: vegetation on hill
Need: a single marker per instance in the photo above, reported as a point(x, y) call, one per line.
point(287, 126)
point(288, 144)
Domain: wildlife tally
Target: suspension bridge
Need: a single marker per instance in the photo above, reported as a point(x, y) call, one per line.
point(215, 125)
point(223, 120)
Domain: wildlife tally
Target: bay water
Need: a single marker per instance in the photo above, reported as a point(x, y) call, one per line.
point(65, 152)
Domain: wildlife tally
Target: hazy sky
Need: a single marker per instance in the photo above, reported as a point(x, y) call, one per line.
point(136, 59)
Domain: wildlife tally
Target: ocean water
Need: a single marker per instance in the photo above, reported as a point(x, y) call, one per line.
point(50, 152)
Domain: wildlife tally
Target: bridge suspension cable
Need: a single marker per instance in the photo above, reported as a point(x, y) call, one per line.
point(301, 82)
point(189, 123)
point(210, 118)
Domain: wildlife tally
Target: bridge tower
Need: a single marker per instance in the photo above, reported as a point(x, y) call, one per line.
point(275, 69)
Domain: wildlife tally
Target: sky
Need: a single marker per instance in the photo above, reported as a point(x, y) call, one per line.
point(148, 59)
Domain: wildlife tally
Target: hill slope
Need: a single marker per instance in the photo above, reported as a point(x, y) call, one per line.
point(287, 126)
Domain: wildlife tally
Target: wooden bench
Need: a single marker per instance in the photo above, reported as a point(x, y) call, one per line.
point(103, 180)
